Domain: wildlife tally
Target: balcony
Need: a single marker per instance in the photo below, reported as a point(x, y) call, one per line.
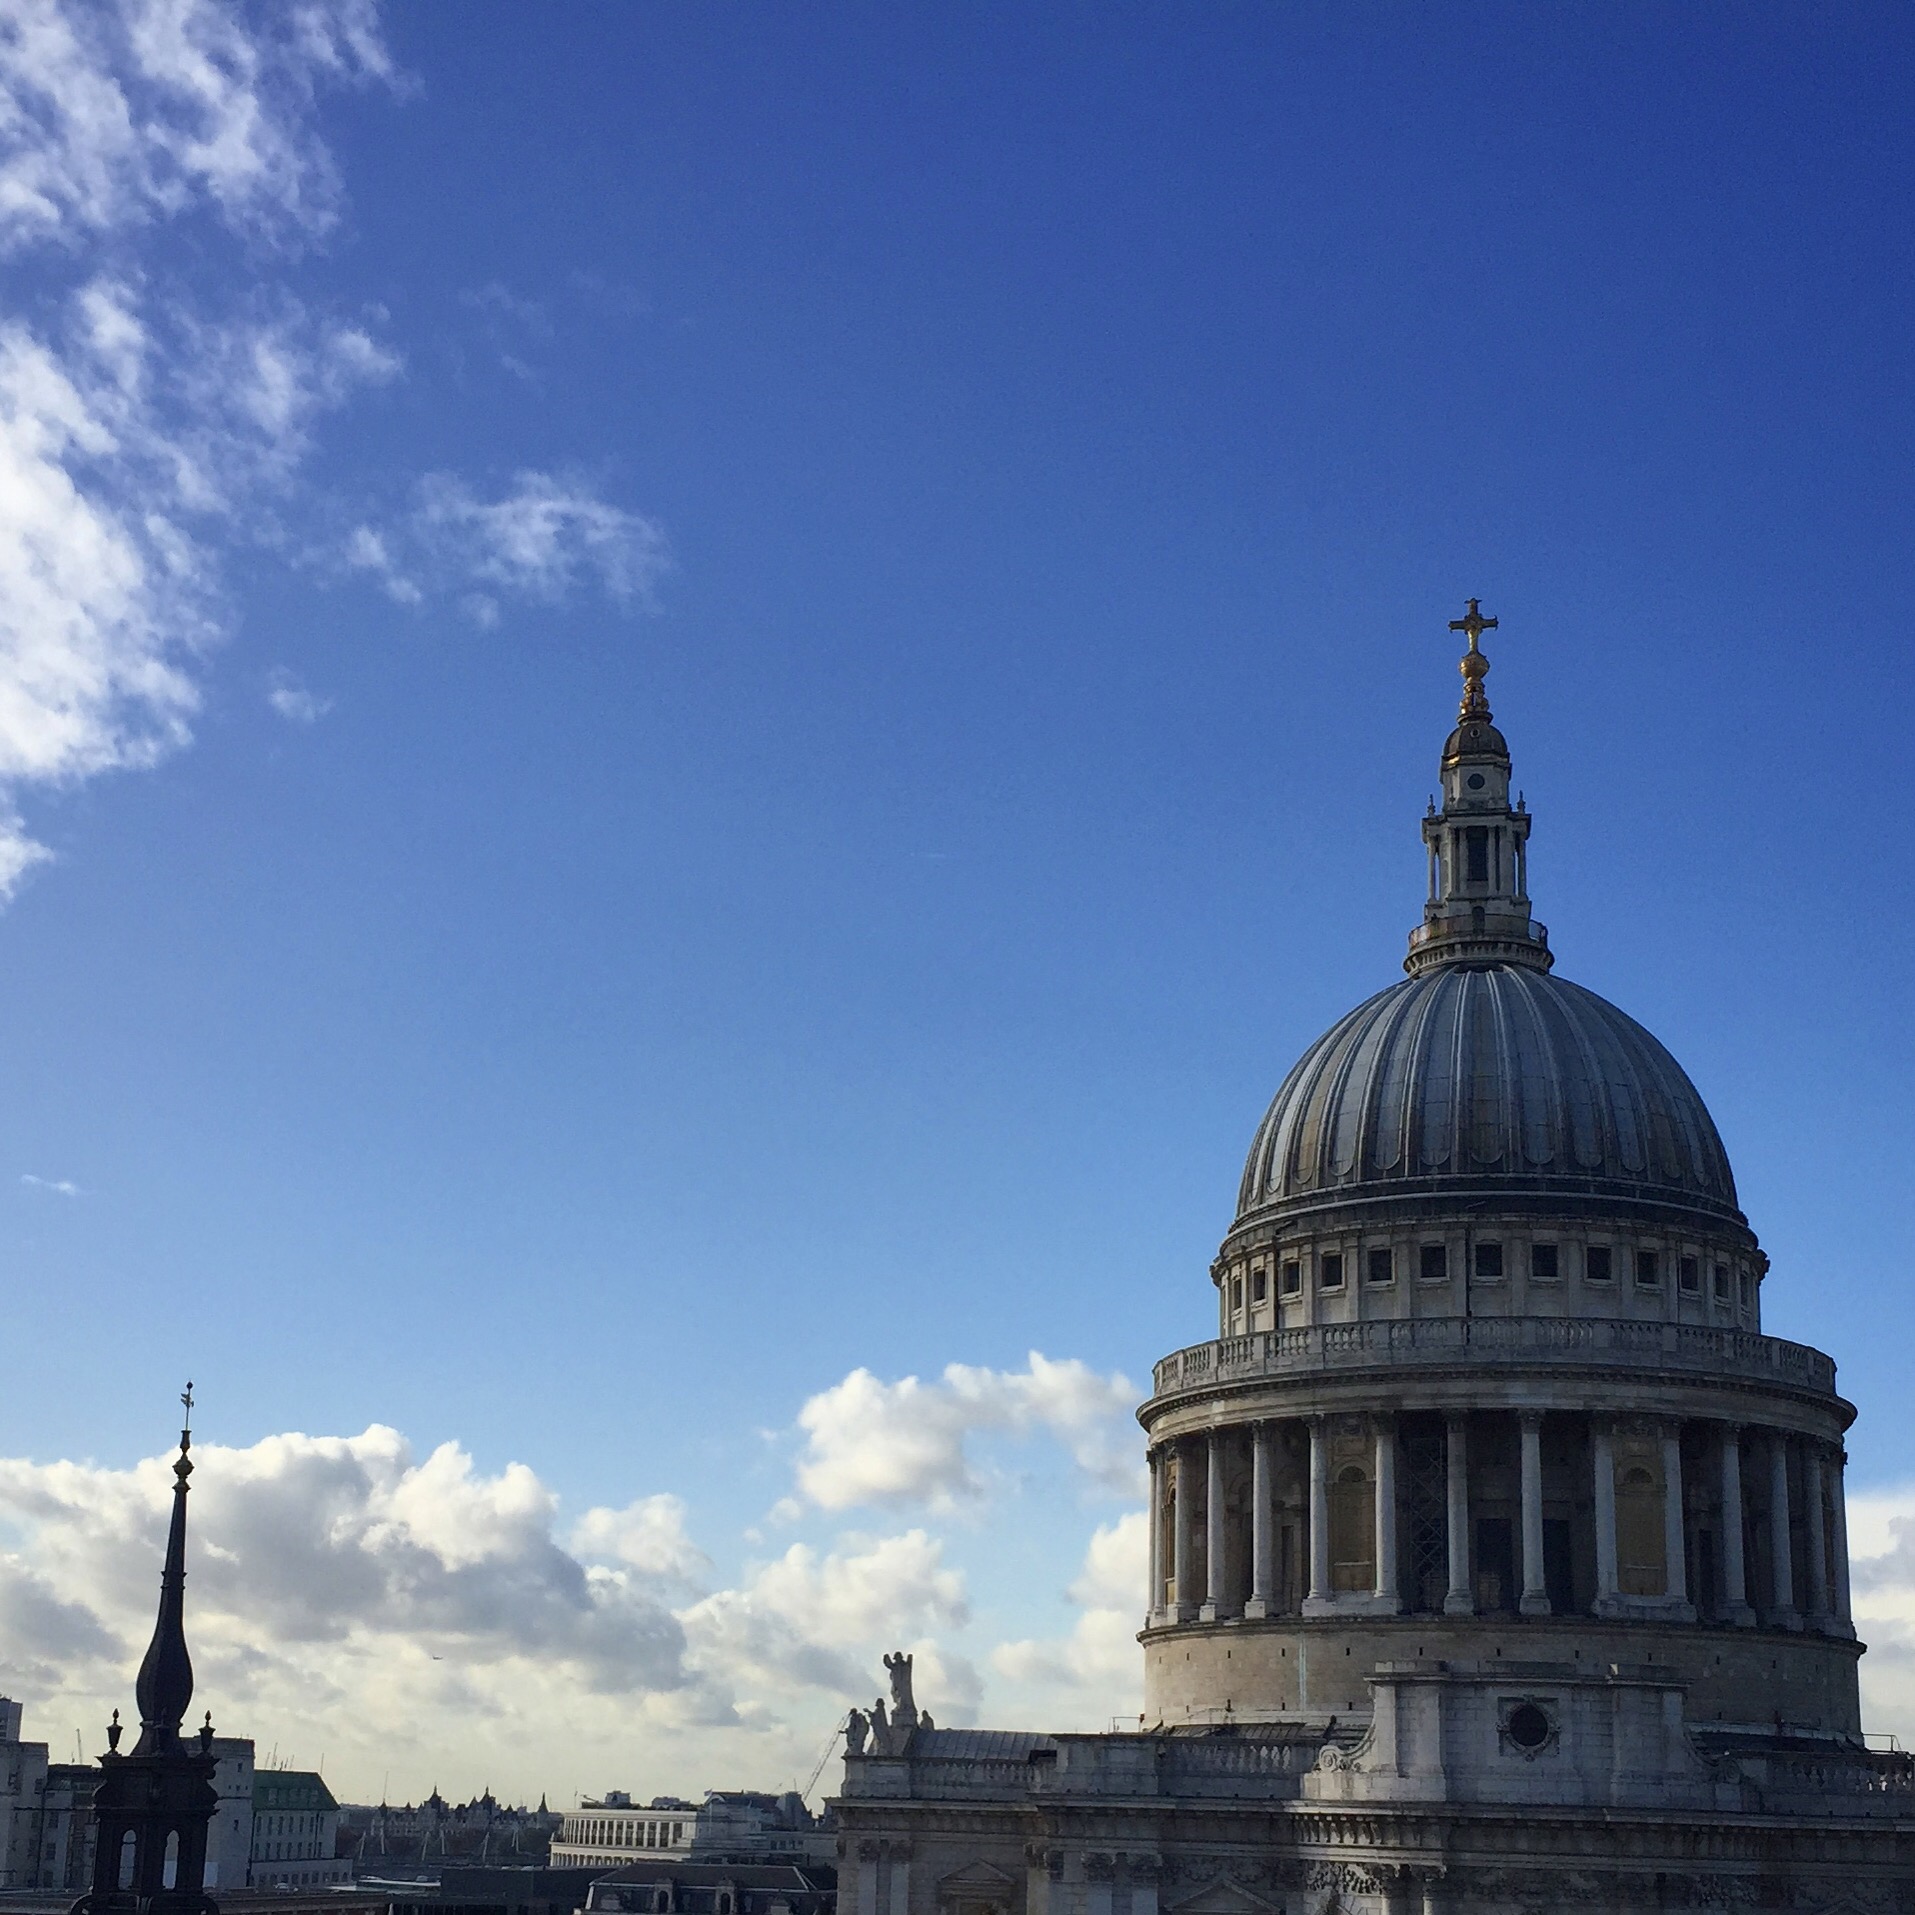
point(1491, 1343)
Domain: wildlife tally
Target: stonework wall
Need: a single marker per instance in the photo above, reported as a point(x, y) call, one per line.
point(1207, 1858)
point(1253, 1671)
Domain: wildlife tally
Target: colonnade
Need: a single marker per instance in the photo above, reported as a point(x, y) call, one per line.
point(1647, 1536)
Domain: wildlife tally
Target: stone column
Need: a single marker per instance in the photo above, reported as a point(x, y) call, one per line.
point(1182, 1609)
point(1155, 1600)
point(1216, 1597)
point(1461, 1600)
point(1319, 1600)
point(1735, 1577)
point(1535, 1600)
point(899, 1869)
point(1815, 1524)
point(1383, 1430)
point(1781, 1560)
point(1262, 1542)
point(1838, 1506)
point(1602, 1449)
point(1675, 1535)
point(1100, 1880)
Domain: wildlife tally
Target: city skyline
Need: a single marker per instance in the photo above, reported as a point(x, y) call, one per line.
point(696, 709)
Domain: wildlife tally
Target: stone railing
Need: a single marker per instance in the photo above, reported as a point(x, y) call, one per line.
point(1840, 1782)
point(1397, 1344)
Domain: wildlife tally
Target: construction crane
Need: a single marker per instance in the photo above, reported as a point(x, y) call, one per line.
point(831, 1742)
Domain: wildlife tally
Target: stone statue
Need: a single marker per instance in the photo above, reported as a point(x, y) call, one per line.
point(880, 1729)
point(924, 1720)
point(857, 1725)
point(898, 1668)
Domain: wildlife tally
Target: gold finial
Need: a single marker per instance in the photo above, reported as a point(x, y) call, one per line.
point(1475, 665)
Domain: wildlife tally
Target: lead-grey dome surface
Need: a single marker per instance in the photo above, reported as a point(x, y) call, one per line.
point(1498, 1076)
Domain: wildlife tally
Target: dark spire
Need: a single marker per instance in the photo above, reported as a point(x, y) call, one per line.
point(153, 1808)
point(165, 1686)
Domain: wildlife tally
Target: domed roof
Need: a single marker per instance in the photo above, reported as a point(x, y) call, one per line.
point(1489, 1079)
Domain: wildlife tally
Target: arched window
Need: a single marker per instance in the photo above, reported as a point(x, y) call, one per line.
point(1352, 1530)
point(129, 1845)
point(170, 1868)
point(1642, 1564)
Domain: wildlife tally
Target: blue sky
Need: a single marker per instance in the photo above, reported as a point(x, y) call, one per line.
point(808, 649)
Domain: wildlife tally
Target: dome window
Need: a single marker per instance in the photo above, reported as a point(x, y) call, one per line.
point(1330, 1270)
point(1236, 1293)
point(1689, 1276)
point(1649, 1269)
point(1292, 1279)
point(1476, 854)
point(1382, 1266)
point(1489, 1260)
point(1434, 1264)
point(1596, 1267)
point(1722, 1283)
point(1259, 1284)
point(1542, 1262)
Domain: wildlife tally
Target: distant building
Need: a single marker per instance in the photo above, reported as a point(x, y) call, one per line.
point(229, 1841)
point(385, 1839)
point(23, 1783)
point(295, 1831)
point(735, 1824)
point(489, 1891)
point(607, 1833)
point(66, 1835)
point(668, 1887)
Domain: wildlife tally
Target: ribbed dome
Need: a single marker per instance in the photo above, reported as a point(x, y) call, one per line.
point(1493, 1079)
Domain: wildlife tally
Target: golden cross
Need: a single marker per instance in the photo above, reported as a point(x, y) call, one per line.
point(186, 1397)
point(1474, 623)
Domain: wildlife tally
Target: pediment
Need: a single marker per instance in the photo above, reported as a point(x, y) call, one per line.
point(1223, 1898)
point(978, 1877)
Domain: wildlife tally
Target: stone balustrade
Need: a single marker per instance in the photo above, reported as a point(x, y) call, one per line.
point(1489, 1343)
point(1263, 1762)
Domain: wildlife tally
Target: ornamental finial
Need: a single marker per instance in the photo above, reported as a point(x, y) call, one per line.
point(1475, 666)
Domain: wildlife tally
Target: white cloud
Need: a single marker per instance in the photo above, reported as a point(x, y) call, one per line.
point(540, 539)
point(812, 1621)
point(137, 432)
point(398, 1609)
point(143, 433)
point(1881, 1528)
point(114, 115)
point(371, 552)
point(871, 1442)
point(349, 1542)
point(1096, 1671)
point(648, 1534)
point(127, 438)
point(497, 301)
point(294, 703)
point(57, 1186)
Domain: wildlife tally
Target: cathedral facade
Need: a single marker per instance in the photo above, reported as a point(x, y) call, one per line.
point(1498, 1561)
